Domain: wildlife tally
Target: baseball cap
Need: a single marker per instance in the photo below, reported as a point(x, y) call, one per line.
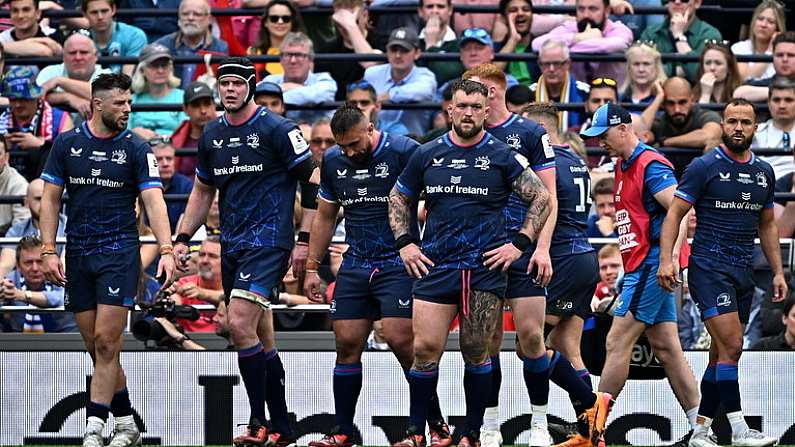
point(20, 82)
point(196, 90)
point(605, 117)
point(476, 34)
point(405, 38)
point(153, 52)
point(268, 88)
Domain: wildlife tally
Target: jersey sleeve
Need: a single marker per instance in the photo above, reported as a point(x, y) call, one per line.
point(410, 180)
point(693, 181)
point(516, 164)
point(771, 187)
point(290, 144)
point(147, 175)
point(541, 154)
point(326, 190)
point(203, 169)
point(659, 176)
point(54, 171)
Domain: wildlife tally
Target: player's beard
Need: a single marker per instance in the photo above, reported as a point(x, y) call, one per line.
point(112, 123)
point(466, 134)
point(737, 148)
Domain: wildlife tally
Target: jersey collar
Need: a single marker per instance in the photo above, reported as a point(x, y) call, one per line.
point(91, 136)
point(511, 118)
point(380, 145)
point(721, 150)
point(253, 117)
point(477, 145)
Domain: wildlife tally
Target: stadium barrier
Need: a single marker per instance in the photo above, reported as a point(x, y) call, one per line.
point(196, 398)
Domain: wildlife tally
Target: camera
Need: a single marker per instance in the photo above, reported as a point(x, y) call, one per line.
point(147, 328)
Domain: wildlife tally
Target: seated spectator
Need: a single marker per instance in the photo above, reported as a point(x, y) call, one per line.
point(112, 38)
point(592, 33)
point(603, 222)
point(779, 130)
point(611, 271)
point(270, 96)
point(69, 84)
point(321, 138)
point(199, 106)
point(518, 97)
point(30, 124)
point(683, 33)
point(193, 38)
point(436, 33)
point(280, 17)
point(300, 86)
point(26, 286)
point(155, 27)
point(644, 68)
point(558, 84)
point(27, 37)
point(638, 23)
point(173, 182)
point(683, 123)
point(717, 74)
point(783, 65)
point(602, 91)
point(786, 340)
point(768, 20)
point(401, 81)
point(154, 83)
point(28, 227)
point(202, 288)
point(11, 184)
point(362, 95)
point(518, 18)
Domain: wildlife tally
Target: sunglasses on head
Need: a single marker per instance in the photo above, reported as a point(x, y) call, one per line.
point(719, 43)
point(647, 43)
point(598, 82)
point(158, 140)
point(282, 19)
point(360, 85)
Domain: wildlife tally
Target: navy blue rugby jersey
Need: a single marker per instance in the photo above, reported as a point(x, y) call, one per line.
point(573, 186)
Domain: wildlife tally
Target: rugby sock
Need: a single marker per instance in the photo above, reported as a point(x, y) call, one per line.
point(491, 417)
point(477, 388)
point(251, 362)
point(422, 386)
point(434, 410)
point(347, 386)
point(97, 410)
point(729, 388)
point(274, 395)
point(563, 375)
point(692, 417)
point(536, 377)
point(120, 405)
point(585, 376)
point(710, 399)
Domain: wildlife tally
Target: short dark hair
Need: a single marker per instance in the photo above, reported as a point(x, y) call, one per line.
point(346, 118)
point(422, 3)
point(788, 303)
point(27, 243)
point(109, 81)
point(785, 37)
point(35, 3)
point(780, 83)
point(84, 3)
point(503, 6)
point(469, 87)
point(545, 110)
point(603, 187)
point(735, 102)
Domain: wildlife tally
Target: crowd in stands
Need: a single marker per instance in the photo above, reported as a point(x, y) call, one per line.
point(673, 101)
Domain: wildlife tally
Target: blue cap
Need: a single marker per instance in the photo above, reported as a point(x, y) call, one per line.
point(268, 88)
point(20, 82)
point(476, 34)
point(605, 117)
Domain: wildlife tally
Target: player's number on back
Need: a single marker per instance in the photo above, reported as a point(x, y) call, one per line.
point(584, 185)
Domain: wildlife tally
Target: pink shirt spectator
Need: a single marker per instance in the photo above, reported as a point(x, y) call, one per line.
point(464, 21)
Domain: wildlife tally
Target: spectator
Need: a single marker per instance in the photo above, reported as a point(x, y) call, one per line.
point(783, 65)
point(518, 17)
point(437, 33)
point(518, 97)
point(603, 222)
point(557, 83)
point(300, 85)
point(30, 124)
point(280, 17)
point(592, 33)
point(644, 68)
point(321, 139)
point(401, 81)
point(785, 341)
point(27, 37)
point(442, 121)
point(611, 271)
point(11, 184)
point(26, 286)
point(683, 33)
point(112, 38)
point(602, 91)
point(154, 83)
point(779, 130)
point(28, 227)
point(202, 288)
point(768, 20)
point(270, 96)
point(717, 74)
point(199, 106)
point(155, 27)
point(173, 182)
point(193, 38)
point(69, 84)
point(363, 96)
point(684, 123)
point(636, 22)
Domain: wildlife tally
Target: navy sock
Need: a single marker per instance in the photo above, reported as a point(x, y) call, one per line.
point(477, 388)
point(710, 395)
point(347, 386)
point(120, 405)
point(496, 382)
point(422, 386)
point(274, 396)
point(434, 410)
point(536, 377)
point(97, 409)
point(251, 362)
point(585, 376)
point(728, 387)
point(564, 376)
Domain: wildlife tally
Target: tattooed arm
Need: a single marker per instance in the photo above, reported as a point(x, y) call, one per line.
point(400, 221)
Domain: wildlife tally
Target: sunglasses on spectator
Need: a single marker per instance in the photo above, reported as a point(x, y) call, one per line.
point(720, 43)
point(475, 33)
point(158, 140)
point(282, 19)
point(648, 43)
point(360, 85)
point(598, 82)
point(322, 141)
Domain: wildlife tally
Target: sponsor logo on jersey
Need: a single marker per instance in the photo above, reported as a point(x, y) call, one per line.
point(235, 159)
point(549, 151)
point(522, 160)
point(234, 142)
point(298, 141)
point(438, 162)
point(75, 152)
point(151, 164)
point(744, 178)
point(112, 291)
point(745, 195)
point(627, 239)
point(725, 176)
point(361, 174)
point(96, 172)
point(98, 156)
point(361, 191)
point(341, 173)
point(458, 164)
point(455, 179)
point(218, 144)
point(244, 276)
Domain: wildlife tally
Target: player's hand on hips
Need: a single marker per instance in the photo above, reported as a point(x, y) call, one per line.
point(181, 255)
point(668, 276)
point(312, 288)
point(166, 267)
point(53, 270)
point(543, 264)
point(501, 257)
point(779, 288)
point(415, 261)
point(298, 259)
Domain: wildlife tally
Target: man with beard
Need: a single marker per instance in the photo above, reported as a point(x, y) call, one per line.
point(202, 288)
point(644, 189)
point(467, 176)
point(254, 158)
point(684, 123)
point(592, 33)
point(372, 283)
point(732, 192)
point(103, 166)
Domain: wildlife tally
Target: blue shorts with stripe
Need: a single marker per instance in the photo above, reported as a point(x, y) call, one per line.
point(641, 295)
point(720, 289)
point(102, 278)
point(574, 280)
point(448, 286)
point(256, 270)
point(372, 293)
point(520, 283)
